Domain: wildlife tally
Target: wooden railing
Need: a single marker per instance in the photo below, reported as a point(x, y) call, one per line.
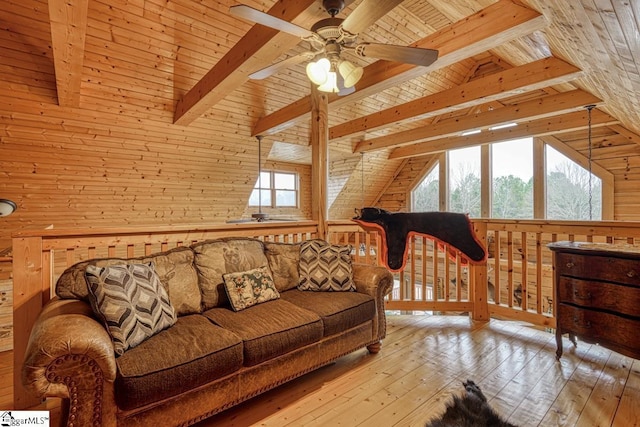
point(516, 282)
point(39, 257)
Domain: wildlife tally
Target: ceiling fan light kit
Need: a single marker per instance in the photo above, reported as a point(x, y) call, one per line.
point(329, 37)
point(350, 73)
point(318, 71)
point(331, 84)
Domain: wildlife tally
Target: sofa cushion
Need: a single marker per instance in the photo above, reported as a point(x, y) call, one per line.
point(325, 267)
point(191, 353)
point(283, 261)
point(338, 312)
point(248, 288)
point(174, 267)
point(269, 330)
point(131, 302)
point(213, 258)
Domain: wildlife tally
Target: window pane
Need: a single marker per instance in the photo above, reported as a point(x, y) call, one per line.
point(285, 181)
point(286, 198)
point(568, 189)
point(255, 200)
point(512, 186)
point(464, 181)
point(264, 181)
point(426, 196)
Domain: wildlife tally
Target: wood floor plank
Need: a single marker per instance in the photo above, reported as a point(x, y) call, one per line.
point(600, 409)
point(423, 362)
point(571, 400)
point(628, 414)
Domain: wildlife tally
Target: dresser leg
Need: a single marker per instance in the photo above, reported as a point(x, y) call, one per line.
point(558, 344)
point(572, 338)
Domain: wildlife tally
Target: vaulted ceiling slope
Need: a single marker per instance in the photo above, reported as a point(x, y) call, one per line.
point(142, 111)
point(407, 110)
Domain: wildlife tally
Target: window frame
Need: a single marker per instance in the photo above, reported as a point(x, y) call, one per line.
point(274, 190)
point(539, 182)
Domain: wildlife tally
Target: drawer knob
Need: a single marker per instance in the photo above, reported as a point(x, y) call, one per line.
point(570, 265)
point(631, 273)
point(586, 324)
point(578, 295)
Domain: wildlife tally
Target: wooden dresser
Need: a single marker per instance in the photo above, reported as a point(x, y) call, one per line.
point(598, 295)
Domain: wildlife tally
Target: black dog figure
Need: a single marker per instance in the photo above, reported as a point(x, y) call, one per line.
point(470, 410)
point(451, 228)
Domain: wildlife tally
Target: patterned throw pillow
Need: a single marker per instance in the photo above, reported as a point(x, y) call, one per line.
point(131, 302)
point(325, 267)
point(247, 288)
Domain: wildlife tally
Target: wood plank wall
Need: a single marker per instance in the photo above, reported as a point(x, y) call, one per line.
point(117, 159)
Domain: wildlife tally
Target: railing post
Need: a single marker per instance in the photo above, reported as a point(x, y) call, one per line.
point(28, 297)
point(480, 279)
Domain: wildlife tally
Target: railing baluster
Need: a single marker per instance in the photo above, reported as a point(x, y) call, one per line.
point(524, 272)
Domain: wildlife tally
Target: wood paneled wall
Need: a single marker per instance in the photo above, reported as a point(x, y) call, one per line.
point(117, 159)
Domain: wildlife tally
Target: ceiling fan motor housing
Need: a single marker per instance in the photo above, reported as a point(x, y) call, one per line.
point(333, 7)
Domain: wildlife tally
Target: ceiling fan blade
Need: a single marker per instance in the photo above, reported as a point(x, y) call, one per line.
point(366, 13)
point(254, 15)
point(406, 54)
point(274, 68)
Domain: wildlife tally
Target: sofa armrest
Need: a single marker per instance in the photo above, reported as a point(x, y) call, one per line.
point(377, 282)
point(70, 355)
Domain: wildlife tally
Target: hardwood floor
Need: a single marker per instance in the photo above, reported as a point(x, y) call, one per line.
point(423, 362)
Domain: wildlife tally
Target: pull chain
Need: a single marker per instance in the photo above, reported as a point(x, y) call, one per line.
point(362, 179)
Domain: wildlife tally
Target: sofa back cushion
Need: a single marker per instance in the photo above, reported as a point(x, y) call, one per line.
point(175, 268)
point(283, 262)
point(213, 258)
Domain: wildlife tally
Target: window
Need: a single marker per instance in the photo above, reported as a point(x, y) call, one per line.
point(569, 189)
point(275, 189)
point(426, 196)
point(512, 183)
point(464, 181)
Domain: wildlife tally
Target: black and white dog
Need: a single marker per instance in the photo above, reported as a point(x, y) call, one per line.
point(470, 410)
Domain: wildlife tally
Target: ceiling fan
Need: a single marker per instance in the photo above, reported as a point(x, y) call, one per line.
point(329, 37)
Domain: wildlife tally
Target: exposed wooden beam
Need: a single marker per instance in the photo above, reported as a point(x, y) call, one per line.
point(68, 20)
point(559, 124)
point(525, 111)
point(320, 160)
point(482, 31)
point(629, 135)
point(528, 77)
point(258, 48)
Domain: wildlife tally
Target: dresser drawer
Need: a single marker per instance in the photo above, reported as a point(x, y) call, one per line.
point(601, 295)
point(612, 269)
point(617, 333)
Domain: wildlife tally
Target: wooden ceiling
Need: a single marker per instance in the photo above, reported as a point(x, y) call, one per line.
point(598, 42)
point(153, 84)
point(552, 45)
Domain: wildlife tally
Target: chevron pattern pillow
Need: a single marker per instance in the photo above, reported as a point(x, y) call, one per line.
point(131, 302)
point(325, 267)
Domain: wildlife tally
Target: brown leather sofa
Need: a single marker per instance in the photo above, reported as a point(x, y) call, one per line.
point(213, 357)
